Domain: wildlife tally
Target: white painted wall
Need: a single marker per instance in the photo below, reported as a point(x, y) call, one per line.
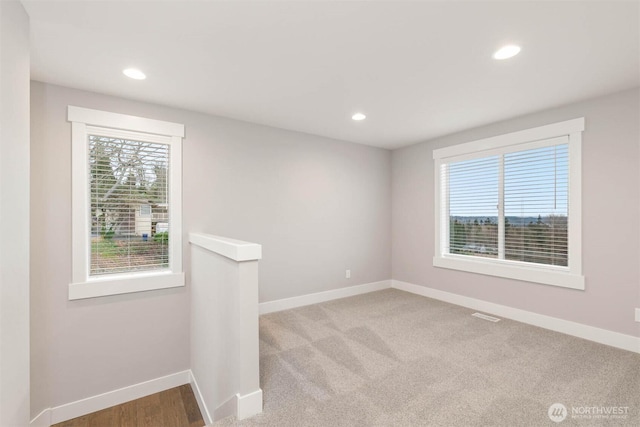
point(611, 164)
point(214, 299)
point(14, 214)
point(317, 206)
point(224, 326)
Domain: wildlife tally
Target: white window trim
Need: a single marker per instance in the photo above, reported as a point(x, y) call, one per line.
point(568, 277)
point(82, 121)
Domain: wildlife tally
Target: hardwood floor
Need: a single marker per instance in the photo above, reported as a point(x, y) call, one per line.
point(176, 407)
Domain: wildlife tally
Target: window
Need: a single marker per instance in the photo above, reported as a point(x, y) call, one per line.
point(510, 206)
point(145, 210)
point(126, 179)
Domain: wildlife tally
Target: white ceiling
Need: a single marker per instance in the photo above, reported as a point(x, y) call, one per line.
point(416, 69)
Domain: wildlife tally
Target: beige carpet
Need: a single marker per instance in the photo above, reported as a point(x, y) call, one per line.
point(391, 358)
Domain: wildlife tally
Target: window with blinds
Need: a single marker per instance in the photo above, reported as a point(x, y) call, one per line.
point(129, 194)
point(512, 202)
point(536, 195)
point(511, 206)
point(126, 189)
point(473, 207)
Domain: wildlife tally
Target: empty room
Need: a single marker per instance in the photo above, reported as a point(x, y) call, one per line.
point(319, 213)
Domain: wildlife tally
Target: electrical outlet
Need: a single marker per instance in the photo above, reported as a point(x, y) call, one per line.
point(637, 314)
point(347, 274)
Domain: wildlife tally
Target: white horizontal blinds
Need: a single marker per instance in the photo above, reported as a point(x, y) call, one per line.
point(473, 188)
point(129, 205)
point(536, 197)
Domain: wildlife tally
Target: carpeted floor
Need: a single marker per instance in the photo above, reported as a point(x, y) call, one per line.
point(391, 358)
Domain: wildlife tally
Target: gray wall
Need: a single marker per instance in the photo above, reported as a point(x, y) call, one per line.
point(14, 214)
point(610, 219)
point(317, 206)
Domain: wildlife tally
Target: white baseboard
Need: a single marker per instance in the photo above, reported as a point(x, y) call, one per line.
point(105, 400)
point(246, 404)
point(249, 405)
point(300, 301)
point(602, 336)
point(239, 406)
point(203, 408)
point(43, 419)
point(226, 409)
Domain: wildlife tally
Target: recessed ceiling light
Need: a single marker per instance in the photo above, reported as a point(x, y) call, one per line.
point(506, 52)
point(134, 73)
point(358, 116)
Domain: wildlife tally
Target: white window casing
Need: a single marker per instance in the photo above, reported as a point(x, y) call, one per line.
point(87, 122)
point(563, 137)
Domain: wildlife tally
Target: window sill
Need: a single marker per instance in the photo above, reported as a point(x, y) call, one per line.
point(124, 284)
point(544, 275)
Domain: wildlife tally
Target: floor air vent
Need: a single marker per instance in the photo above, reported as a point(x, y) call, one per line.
point(486, 317)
